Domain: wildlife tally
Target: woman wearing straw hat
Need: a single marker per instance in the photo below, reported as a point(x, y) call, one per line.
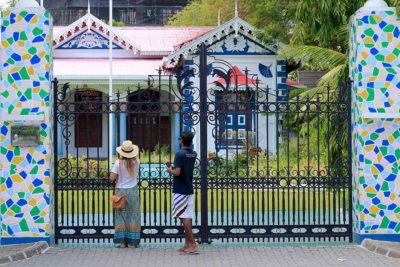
point(125, 172)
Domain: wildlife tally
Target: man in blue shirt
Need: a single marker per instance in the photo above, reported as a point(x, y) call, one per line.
point(182, 204)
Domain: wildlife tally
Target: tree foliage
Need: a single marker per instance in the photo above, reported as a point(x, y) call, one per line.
point(319, 22)
point(319, 58)
point(272, 17)
point(320, 37)
point(325, 22)
point(301, 22)
point(115, 23)
point(205, 12)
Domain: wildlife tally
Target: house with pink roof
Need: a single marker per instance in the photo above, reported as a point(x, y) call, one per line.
point(81, 52)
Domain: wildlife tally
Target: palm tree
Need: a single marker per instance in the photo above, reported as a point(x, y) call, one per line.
point(321, 38)
point(317, 54)
point(319, 58)
point(336, 65)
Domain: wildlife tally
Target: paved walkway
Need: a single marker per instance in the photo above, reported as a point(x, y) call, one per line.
point(5, 251)
point(344, 255)
point(19, 252)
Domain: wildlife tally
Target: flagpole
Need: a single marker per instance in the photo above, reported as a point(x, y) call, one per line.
point(110, 80)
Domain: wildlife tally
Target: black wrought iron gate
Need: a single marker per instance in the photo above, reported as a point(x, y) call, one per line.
point(271, 166)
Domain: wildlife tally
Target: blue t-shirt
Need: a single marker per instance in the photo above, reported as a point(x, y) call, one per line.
point(184, 159)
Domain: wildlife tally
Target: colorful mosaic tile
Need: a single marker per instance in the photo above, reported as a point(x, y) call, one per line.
point(25, 62)
point(375, 69)
point(25, 87)
point(378, 61)
point(378, 176)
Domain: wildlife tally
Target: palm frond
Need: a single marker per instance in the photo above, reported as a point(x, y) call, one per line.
point(311, 93)
point(321, 58)
point(334, 76)
point(344, 31)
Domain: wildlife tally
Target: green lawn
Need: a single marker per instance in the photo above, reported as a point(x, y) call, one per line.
point(159, 200)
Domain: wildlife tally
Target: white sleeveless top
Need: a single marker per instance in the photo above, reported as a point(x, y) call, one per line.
point(125, 180)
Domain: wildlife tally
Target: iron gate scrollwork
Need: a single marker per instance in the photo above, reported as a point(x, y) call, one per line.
point(271, 166)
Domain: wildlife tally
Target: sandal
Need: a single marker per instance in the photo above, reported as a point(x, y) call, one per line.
point(191, 250)
point(182, 249)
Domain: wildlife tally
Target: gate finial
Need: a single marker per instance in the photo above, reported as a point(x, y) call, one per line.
point(236, 26)
point(88, 20)
point(26, 3)
point(219, 17)
point(236, 9)
point(375, 4)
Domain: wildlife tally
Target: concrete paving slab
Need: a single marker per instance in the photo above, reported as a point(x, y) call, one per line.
point(390, 249)
point(21, 252)
point(254, 256)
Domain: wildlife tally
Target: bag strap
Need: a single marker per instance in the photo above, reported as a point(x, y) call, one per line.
point(119, 175)
point(120, 169)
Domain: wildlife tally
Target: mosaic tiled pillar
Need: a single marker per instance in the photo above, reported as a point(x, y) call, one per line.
point(375, 70)
point(25, 85)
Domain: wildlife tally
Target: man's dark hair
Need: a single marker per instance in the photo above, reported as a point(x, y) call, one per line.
point(187, 138)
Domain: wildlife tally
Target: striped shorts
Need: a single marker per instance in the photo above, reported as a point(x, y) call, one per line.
point(182, 206)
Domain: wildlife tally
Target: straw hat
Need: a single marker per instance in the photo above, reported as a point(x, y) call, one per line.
point(128, 150)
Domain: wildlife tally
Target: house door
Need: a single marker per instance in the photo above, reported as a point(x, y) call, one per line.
point(89, 119)
point(148, 131)
point(147, 127)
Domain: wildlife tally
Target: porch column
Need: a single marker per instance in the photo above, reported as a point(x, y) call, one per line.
point(60, 139)
point(177, 129)
point(375, 71)
point(114, 133)
point(25, 101)
point(122, 127)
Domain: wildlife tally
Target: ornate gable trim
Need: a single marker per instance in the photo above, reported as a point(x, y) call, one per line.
point(88, 40)
point(235, 26)
point(239, 44)
point(90, 22)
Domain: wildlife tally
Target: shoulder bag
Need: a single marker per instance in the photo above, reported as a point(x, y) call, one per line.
point(118, 201)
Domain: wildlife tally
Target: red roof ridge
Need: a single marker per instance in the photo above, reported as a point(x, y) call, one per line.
point(241, 78)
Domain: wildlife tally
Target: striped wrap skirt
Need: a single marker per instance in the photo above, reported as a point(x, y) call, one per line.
point(127, 221)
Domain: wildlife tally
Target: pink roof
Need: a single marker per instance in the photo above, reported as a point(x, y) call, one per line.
point(182, 44)
point(294, 84)
point(156, 38)
point(153, 41)
point(161, 38)
point(238, 77)
point(99, 67)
